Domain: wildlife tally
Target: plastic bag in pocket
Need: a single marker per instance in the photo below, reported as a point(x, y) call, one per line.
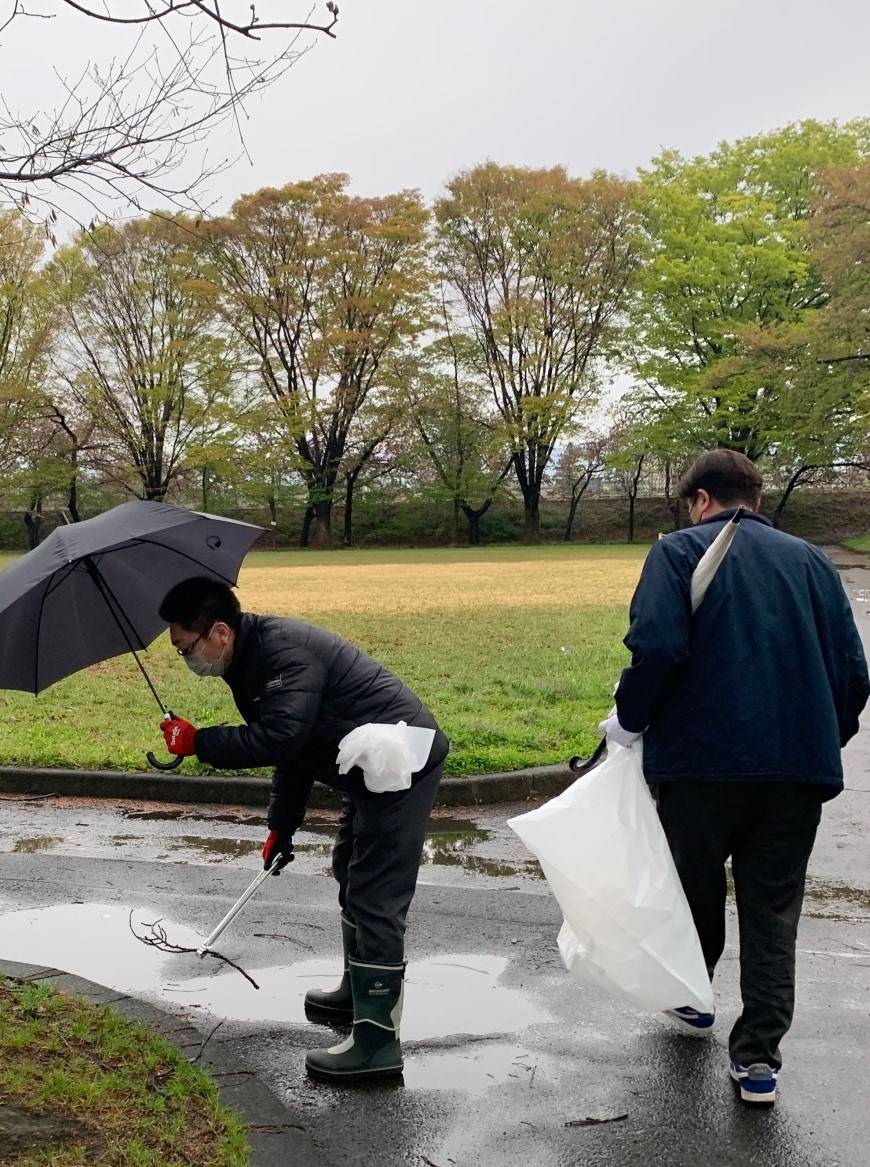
point(387, 754)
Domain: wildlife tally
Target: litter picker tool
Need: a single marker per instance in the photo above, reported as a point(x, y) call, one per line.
point(237, 906)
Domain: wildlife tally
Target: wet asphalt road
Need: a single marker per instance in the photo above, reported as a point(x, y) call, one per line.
point(502, 1050)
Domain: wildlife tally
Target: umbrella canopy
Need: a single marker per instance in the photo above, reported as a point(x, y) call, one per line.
point(91, 590)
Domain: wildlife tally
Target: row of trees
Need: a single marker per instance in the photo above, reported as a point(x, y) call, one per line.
point(468, 349)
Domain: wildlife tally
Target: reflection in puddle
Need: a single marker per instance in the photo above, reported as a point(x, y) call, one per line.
point(453, 851)
point(38, 843)
point(474, 1068)
point(446, 995)
point(447, 826)
point(207, 845)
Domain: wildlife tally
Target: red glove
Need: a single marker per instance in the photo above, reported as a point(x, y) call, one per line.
point(179, 735)
point(278, 845)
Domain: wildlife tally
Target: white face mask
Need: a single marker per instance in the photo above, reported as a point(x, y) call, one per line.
point(203, 667)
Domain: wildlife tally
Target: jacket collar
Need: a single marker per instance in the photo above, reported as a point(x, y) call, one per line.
point(723, 516)
point(241, 646)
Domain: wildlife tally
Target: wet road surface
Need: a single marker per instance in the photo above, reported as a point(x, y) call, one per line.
point(505, 1057)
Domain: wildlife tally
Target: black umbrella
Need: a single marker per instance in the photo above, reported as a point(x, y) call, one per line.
point(91, 590)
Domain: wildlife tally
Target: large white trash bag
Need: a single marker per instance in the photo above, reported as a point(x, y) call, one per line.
point(628, 928)
point(387, 754)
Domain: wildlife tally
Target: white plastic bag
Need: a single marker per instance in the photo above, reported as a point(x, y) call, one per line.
point(387, 754)
point(628, 928)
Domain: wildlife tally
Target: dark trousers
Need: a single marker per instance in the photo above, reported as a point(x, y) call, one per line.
point(376, 859)
point(768, 830)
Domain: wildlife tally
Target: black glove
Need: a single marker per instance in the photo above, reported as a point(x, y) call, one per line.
point(280, 844)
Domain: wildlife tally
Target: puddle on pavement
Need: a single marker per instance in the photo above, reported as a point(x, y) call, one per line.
point(460, 827)
point(208, 845)
point(446, 996)
point(474, 1069)
point(448, 856)
point(37, 843)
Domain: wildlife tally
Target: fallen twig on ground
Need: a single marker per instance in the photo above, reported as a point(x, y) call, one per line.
point(588, 1121)
point(25, 797)
point(157, 938)
point(207, 1040)
point(283, 936)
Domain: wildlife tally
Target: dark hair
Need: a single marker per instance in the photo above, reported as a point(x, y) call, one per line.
point(726, 475)
point(199, 602)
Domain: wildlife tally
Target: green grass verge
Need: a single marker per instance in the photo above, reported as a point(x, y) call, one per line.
point(859, 543)
point(512, 686)
point(82, 1084)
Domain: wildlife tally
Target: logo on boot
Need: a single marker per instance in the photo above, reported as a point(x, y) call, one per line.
point(378, 989)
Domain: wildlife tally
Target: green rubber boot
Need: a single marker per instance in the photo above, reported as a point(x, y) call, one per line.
point(335, 1006)
point(373, 1049)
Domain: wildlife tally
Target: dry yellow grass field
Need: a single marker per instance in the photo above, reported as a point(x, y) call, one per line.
point(407, 588)
point(515, 650)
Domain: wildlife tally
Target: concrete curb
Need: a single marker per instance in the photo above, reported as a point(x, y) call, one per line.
point(275, 1138)
point(248, 790)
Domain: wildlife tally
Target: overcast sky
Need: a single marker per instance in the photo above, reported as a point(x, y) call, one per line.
point(412, 91)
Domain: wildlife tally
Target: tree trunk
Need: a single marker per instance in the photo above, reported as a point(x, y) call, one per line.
point(797, 479)
point(673, 504)
point(204, 487)
point(321, 526)
point(631, 501)
point(474, 515)
point(72, 494)
point(454, 538)
point(349, 484)
point(305, 534)
point(569, 523)
point(33, 522)
point(532, 501)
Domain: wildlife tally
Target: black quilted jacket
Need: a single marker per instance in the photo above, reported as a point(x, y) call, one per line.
point(300, 689)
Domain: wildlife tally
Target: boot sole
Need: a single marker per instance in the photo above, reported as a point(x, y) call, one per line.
point(355, 1075)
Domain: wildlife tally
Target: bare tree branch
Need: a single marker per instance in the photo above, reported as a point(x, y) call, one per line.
point(138, 123)
point(156, 937)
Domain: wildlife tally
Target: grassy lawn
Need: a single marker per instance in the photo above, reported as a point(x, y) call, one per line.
point(859, 543)
point(80, 1084)
point(516, 650)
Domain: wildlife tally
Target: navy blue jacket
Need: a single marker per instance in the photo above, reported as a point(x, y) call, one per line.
point(765, 682)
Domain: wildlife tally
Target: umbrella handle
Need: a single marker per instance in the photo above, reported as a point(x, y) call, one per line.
point(173, 765)
point(582, 766)
point(176, 761)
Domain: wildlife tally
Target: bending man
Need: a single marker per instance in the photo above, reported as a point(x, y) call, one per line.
point(300, 690)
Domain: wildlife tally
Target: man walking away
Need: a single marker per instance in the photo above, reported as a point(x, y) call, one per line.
point(744, 709)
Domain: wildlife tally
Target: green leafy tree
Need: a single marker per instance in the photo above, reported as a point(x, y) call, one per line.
point(540, 264)
point(141, 352)
point(325, 292)
point(728, 253)
point(25, 334)
point(465, 446)
point(578, 464)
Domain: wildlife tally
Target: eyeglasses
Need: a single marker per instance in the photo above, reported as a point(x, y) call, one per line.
point(190, 647)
